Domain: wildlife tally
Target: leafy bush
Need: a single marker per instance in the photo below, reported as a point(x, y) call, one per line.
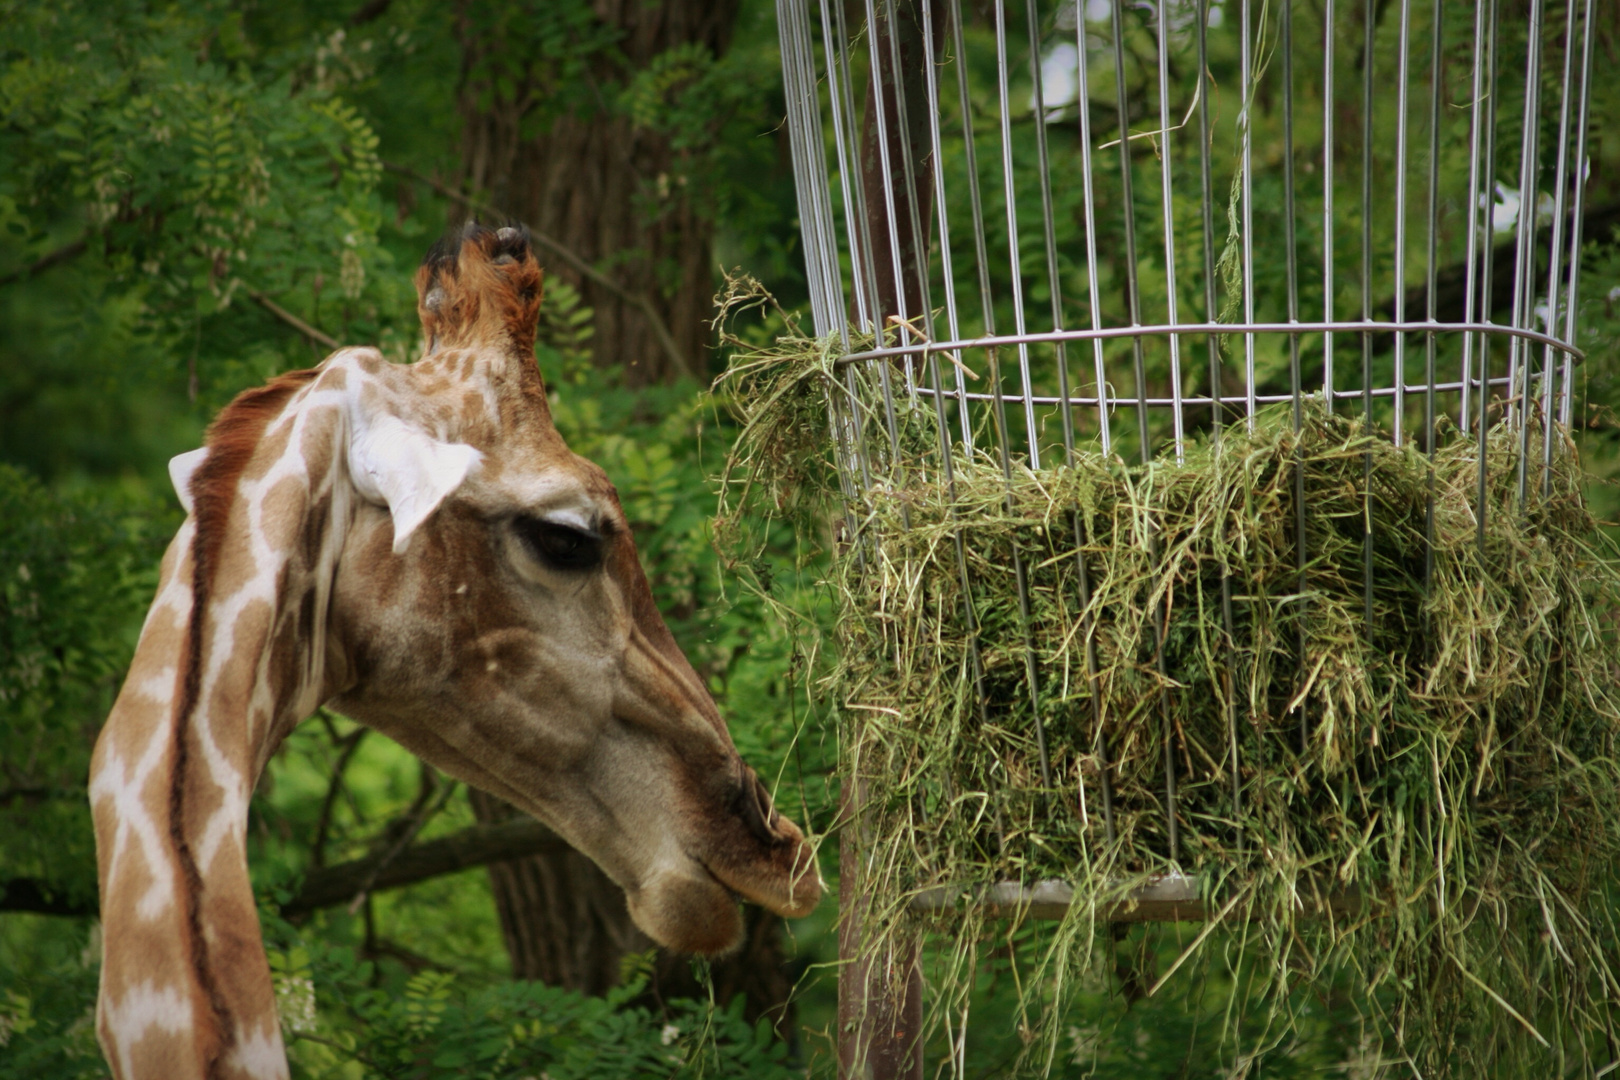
point(76, 571)
point(335, 1015)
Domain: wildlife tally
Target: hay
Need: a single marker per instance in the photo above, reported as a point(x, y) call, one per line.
point(1449, 765)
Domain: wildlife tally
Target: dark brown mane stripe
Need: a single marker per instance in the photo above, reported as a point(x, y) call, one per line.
point(231, 440)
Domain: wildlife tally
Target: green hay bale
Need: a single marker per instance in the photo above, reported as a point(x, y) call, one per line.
point(1448, 763)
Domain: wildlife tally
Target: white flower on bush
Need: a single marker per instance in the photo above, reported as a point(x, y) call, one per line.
point(295, 1002)
point(351, 274)
point(669, 1034)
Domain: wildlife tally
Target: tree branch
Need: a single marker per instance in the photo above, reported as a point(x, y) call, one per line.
point(320, 337)
point(39, 897)
point(476, 846)
point(62, 254)
point(323, 824)
point(372, 9)
point(641, 301)
point(35, 794)
point(419, 816)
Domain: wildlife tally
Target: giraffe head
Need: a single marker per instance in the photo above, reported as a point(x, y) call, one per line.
point(416, 545)
point(492, 616)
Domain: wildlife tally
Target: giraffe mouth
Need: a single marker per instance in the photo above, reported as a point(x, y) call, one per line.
point(745, 852)
point(773, 866)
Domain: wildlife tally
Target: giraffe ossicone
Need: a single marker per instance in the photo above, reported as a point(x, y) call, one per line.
point(415, 545)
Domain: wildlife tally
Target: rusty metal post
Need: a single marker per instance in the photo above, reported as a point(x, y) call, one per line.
point(880, 997)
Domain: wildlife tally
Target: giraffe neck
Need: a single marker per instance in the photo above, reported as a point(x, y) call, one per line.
point(231, 656)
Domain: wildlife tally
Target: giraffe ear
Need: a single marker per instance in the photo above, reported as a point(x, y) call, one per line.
point(407, 470)
point(181, 467)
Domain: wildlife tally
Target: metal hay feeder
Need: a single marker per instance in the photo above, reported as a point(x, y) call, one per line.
point(1380, 211)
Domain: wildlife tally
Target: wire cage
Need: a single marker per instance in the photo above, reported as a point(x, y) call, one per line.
point(1091, 230)
point(1375, 210)
point(1433, 294)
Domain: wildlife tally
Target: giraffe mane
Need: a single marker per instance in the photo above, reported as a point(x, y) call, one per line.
point(231, 440)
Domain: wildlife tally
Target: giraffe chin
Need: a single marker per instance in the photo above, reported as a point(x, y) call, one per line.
point(688, 910)
point(693, 907)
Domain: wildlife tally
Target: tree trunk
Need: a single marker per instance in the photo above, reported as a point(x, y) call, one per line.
point(609, 190)
point(566, 924)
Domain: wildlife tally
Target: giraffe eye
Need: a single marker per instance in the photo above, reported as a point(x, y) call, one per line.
point(561, 547)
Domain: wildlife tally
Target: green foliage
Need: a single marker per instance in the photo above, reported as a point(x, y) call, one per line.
point(77, 572)
point(47, 1000)
point(142, 132)
point(336, 1018)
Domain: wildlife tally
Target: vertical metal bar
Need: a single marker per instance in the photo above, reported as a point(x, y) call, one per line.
point(809, 166)
point(1211, 310)
point(969, 612)
point(1212, 346)
point(1165, 202)
point(1369, 18)
point(891, 218)
point(892, 227)
point(970, 619)
point(1524, 291)
point(1048, 232)
point(1327, 201)
point(1402, 78)
point(1088, 628)
point(1246, 118)
point(1482, 510)
point(1555, 260)
point(1127, 198)
point(975, 199)
point(1566, 390)
point(844, 128)
point(953, 324)
point(1083, 106)
point(1020, 571)
point(861, 246)
point(998, 416)
point(1472, 209)
point(1009, 193)
point(1290, 245)
point(1436, 91)
point(1122, 108)
point(1296, 390)
point(949, 284)
point(1058, 321)
point(817, 221)
point(919, 235)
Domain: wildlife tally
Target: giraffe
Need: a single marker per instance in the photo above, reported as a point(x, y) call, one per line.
point(415, 545)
